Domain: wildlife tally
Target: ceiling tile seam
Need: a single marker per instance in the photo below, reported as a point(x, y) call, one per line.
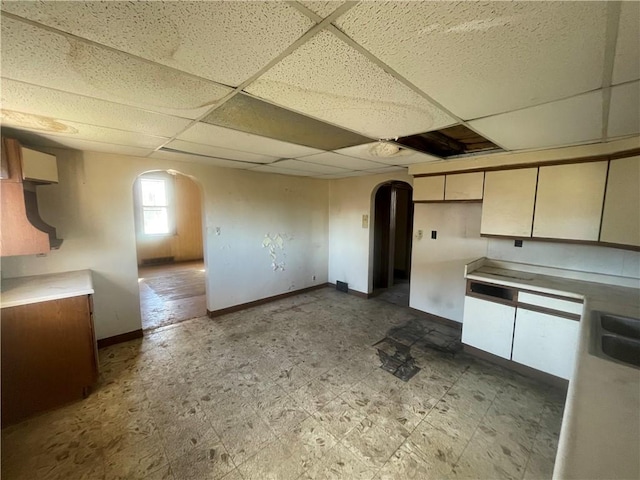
point(352, 43)
point(227, 148)
point(50, 134)
point(140, 109)
point(176, 150)
point(107, 47)
point(341, 154)
point(382, 165)
point(321, 164)
point(611, 41)
point(304, 38)
point(338, 12)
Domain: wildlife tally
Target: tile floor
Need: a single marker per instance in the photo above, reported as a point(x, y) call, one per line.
point(290, 390)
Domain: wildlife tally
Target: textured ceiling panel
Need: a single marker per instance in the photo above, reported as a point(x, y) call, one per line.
point(327, 79)
point(224, 41)
point(626, 65)
point(283, 171)
point(374, 152)
point(219, 152)
point(185, 157)
point(572, 121)
point(324, 9)
point(56, 105)
point(482, 58)
point(253, 115)
point(308, 167)
point(37, 56)
point(342, 161)
point(224, 137)
point(624, 113)
point(79, 130)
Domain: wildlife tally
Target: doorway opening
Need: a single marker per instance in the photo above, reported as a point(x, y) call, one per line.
point(169, 247)
point(393, 231)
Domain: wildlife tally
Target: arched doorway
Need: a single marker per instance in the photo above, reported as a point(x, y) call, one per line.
point(393, 230)
point(169, 247)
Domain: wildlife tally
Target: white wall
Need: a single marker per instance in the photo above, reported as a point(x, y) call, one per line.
point(92, 208)
point(584, 258)
point(350, 245)
point(437, 267)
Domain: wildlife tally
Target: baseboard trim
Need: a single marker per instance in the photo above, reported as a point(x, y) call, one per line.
point(123, 337)
point(355, 293)
point(444, 321)
point(262, 301)
point(517, 367)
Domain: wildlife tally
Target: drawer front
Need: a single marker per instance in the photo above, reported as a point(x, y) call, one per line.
point(551, 303)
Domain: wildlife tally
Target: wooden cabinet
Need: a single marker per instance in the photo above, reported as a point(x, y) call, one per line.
point(49, 355)
point(464, 186)
point(428, 189)
point(545, 342)
point(569, 201)
point(621, 215)
point(509, 197)
point(488, 326)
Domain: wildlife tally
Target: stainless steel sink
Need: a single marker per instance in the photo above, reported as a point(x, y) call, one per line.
point(616, 338)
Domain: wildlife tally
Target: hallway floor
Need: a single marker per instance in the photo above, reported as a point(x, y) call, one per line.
point(171, 293)
point(292, 389)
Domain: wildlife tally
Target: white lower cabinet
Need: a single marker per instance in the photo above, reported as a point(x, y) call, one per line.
point(545, 342)
point(488, 326)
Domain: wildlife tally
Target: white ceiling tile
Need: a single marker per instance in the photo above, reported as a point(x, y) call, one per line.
point(405, 156)
point(387, 170)
point(329, 80)
point(77, 130)
point(308, 167)
point(282, 171)
point(186, 157)
point(360, 173)
point(324, 9)
point(58, 105)
point(40, 57)
point(626, 66)
point(624, 112)
point(224, 41)
point(208, 134)
point(219, 152)
point(342, 161)
point(571, 121)
point(482, 58)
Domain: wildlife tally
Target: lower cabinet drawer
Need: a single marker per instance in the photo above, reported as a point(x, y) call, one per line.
point(545, 342)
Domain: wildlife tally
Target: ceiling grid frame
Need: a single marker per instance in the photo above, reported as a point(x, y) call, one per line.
point(613, 23)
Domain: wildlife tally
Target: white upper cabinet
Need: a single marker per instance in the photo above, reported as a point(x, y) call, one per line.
point(507, 207)
point(38, 166)
point(428, 189)
point(569, 201)
point(621, 216)
point(464, 186)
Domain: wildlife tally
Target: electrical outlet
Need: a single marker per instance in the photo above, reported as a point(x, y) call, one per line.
point(313, 278)
point(517, 243)
point(434, 234)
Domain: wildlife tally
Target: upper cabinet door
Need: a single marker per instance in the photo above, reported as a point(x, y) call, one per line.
point(39, 167)
point(464, 186)
point(621, 216)
point(569, 201)
point(428, 189)
point(507, 208)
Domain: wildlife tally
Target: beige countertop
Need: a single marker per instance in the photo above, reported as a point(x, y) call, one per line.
point(600, 435)
point(42, 288)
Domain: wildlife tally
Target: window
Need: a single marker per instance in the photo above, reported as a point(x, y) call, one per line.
point(154, 195)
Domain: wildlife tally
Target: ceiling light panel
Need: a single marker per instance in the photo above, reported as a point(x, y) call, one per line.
point(252, 115)
point(327, 79)
point(55, 104)
point(186, 157)
point(626, 65)
point(624, 112)
point(342, 161)
point(370, 151)
point(227, 42)
point(565, 122)
point(324, 9)
point(308, 167)
point(40, 57)
point(213, 135)
point(219, 152)
point(482, 58)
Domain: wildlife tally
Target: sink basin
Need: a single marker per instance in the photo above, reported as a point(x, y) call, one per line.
point(616, 338)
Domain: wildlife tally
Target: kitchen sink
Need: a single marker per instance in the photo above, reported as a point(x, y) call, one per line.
point(616, 338)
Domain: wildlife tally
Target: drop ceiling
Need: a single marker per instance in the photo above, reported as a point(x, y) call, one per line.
point(319, 89)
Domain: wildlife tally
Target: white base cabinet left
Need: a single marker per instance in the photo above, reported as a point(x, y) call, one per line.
point(488, 326)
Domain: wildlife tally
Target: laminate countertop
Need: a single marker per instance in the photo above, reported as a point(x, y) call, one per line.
point(600, 434)
point(42, 288)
